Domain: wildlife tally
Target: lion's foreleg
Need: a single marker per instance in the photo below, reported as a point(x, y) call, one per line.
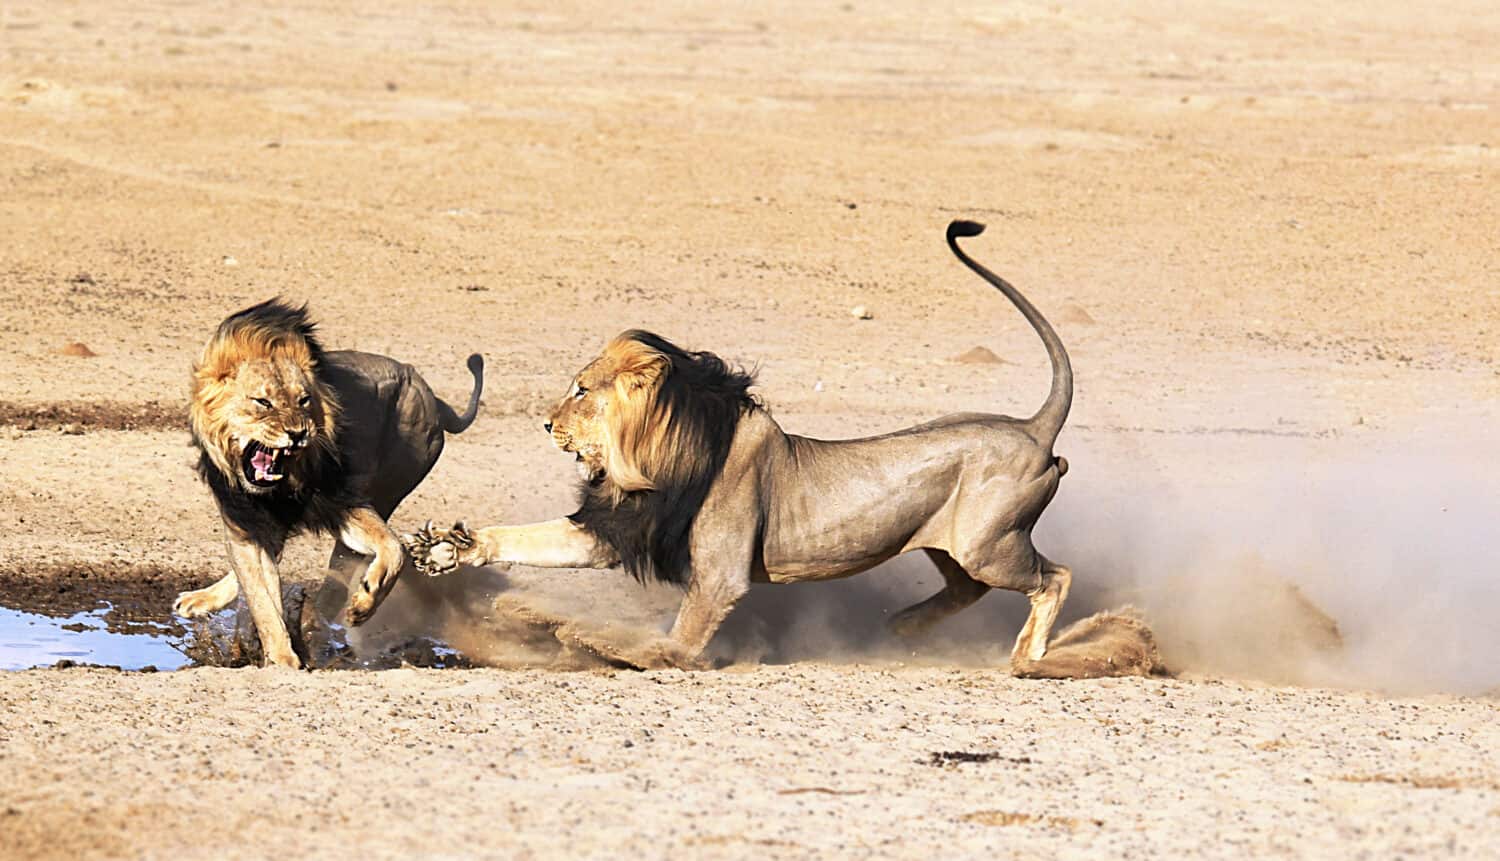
point(260, 583)
point(559, 543)
point(709, 599)
point(209, 599)
point(368, 535)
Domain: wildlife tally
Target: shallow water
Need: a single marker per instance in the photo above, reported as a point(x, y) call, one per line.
point(33, 640)
point(117, 625)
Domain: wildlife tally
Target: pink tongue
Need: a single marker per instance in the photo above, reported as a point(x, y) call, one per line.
point(262, 461)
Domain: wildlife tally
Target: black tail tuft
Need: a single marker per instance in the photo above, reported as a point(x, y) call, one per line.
point(964, 228)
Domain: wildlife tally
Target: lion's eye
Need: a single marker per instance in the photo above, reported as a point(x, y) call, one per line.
point(263, 402)
point(578, 395)
point(304, 400)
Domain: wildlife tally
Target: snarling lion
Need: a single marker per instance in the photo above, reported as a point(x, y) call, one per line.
point(686, 479)
point(292, 438)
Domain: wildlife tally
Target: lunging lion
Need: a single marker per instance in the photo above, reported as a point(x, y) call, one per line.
point(291, 439)
point(688, 480)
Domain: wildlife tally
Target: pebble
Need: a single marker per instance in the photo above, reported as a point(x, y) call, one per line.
point(77, 349)
point(860, 312)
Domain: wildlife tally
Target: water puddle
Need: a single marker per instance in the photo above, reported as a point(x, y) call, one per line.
point(34, 640)
point(128, 625)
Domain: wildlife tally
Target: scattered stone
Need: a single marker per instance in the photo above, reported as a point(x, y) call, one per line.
point(77, 349)
point(71, 429)
point(978, 356)
point(860, 312)
point(230, 261)
point(1074, 315)
point(82, 278)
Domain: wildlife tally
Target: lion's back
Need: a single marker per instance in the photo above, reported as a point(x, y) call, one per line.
point(392, 433)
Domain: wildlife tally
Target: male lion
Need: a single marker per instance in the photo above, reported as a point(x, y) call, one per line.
point(688, 480)
point(292, 438)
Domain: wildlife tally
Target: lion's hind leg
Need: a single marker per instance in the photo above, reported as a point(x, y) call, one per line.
point(1046, 602)
point(209, 599)
point(1011, 562)
point(959, 591)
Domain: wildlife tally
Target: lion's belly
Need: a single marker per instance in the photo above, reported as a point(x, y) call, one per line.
point(874, 511)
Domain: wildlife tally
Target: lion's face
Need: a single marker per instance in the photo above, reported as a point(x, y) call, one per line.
point(577, 421)
point(607, 408)
point(272, 414)
point(257, 409)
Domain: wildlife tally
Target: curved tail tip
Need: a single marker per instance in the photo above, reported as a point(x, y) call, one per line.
point(964, 228)
point(475, 363)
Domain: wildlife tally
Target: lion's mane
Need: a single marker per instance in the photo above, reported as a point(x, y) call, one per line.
point(671, 438)
point(318, 492)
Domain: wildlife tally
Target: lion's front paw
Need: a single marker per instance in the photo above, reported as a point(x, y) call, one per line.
point(201, 603)
point(439, 551)
point(361, 608)
point(667, 653)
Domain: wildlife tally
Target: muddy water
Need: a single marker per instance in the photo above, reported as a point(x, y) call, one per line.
point(35, 640)
point(127, 625)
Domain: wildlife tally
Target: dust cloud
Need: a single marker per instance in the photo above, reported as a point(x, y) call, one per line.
point(1287, 560)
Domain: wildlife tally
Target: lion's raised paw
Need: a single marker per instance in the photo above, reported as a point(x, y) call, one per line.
point(437, 551)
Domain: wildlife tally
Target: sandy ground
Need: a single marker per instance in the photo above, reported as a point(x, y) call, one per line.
point(1265, 231)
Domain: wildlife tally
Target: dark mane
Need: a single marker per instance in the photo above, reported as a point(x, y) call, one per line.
point(275, 316)
point(650, 529)
point(323, 493)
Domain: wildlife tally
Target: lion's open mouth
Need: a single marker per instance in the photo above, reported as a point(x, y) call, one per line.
point(264, 466)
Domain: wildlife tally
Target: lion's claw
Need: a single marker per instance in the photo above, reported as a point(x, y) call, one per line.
point(438, 551)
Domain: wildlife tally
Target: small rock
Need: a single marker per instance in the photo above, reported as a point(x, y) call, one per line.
point(818, 386)
point(978, 356)
point(860, 312)
point(77, 349)
point(71, 429)
point(82, 278)
point(1075, 315)
point(230, 261)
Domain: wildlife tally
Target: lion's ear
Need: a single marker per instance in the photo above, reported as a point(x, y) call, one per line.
point(640, 367)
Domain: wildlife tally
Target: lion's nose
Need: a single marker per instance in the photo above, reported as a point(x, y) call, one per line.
point(298, 437)
point(548, 426)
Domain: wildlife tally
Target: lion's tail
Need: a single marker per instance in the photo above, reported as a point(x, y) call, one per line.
point(452, 421)
point(1048, 421)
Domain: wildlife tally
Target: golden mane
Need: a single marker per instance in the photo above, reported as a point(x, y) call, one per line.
point(668, 428)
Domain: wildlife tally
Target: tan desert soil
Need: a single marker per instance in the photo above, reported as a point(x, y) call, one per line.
point(1266, 233)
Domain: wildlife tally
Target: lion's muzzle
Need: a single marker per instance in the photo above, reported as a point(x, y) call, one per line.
point(265, 466)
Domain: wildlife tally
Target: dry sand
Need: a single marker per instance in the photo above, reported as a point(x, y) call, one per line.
point(1266, 232)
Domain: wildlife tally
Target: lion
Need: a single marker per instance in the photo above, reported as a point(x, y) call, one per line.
point(292, 438)
point(687, 479)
